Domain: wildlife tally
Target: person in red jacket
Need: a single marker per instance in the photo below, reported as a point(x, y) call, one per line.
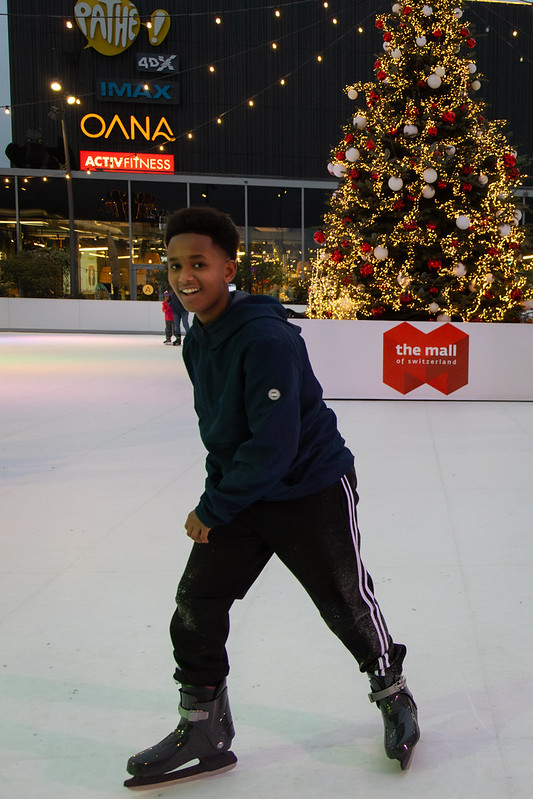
point(169, 318)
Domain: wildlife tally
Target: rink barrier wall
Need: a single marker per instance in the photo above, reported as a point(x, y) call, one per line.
point(352, 360)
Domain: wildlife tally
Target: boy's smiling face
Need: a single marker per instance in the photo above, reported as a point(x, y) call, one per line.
point(200, 271)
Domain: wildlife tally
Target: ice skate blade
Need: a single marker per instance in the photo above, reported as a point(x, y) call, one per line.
point(404, 758)
point(207, 767)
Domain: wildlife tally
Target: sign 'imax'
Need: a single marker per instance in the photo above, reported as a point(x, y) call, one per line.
point(111, 26)
point(167, 93)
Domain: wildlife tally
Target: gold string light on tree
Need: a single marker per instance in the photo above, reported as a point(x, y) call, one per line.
point(424, 224)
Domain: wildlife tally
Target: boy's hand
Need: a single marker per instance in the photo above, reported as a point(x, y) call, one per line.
point(196, 530)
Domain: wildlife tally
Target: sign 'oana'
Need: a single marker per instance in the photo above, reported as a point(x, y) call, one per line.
point(95, 127)
point(111, 26)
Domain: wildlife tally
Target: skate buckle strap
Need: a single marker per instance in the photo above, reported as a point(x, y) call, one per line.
point(399, 685)
point(193, 715)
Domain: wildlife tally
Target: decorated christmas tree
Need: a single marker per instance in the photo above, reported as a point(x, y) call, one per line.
point(424, 224)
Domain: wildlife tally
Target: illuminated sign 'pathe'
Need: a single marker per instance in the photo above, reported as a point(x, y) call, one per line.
point(111, 26)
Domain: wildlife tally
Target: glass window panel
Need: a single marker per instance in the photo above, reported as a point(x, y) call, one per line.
point(8, 232)
point(227, 198)
point(275, 242)
point(101, 223)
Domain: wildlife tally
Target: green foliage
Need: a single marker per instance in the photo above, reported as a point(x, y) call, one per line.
point(35, 273)
point(257, 276)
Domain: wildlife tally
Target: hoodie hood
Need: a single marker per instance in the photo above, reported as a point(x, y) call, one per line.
point(242, 308)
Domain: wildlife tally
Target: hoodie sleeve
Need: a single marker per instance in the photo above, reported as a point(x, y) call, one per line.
point(272, 377)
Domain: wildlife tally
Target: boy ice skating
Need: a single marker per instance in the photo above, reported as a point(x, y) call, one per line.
point(280, 480)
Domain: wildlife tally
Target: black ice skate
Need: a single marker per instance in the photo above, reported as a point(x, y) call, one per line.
point(204, 733)
point(400, 716)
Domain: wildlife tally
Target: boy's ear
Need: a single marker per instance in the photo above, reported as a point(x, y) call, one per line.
point(231, 269)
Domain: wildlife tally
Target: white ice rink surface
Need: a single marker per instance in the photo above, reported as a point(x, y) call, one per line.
point(100, 463)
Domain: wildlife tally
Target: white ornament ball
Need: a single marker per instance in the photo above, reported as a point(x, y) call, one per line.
point(482, 180)
point(489, 277)
point(324, 256)
point(434, 81)
point(427, 11)
point(345, 303)
point(472, 68)
point(359, 122)
point(476, 85)
point(353, 94)
point(459, 270)
point(504, 229)
point(410, 130)
point(339, 170)
point(330, 169)
point(387, 46)
point(395, 184)
point(440, 71)
point(527, 305)
point(443, 317)
point(421, 41)
point(403, 280)
point(462, 222)
point(352, 154)
point(430, 175)
point(517, 213)
point(458, 13)
point(428, 192)
point(434, 307)
point(396, 9)
point(449, 150)
point(396, 54)
point(381, 253)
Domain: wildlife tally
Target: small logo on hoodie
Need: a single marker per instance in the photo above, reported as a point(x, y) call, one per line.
point(274, 394)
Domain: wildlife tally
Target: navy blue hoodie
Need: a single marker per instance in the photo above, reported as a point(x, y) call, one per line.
point(268, 434)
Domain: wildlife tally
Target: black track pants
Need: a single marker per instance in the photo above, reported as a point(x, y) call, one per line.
point(317, 538)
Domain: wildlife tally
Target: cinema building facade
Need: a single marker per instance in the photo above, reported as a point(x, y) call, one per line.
point(181, 106)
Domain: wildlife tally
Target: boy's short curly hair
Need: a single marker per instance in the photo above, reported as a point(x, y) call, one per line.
point(205, 221)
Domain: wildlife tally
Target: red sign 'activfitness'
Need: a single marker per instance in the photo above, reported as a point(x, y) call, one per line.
point(95, 161)
point(412, 358)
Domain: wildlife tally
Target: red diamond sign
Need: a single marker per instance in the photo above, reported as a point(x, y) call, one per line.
point(412, 358)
